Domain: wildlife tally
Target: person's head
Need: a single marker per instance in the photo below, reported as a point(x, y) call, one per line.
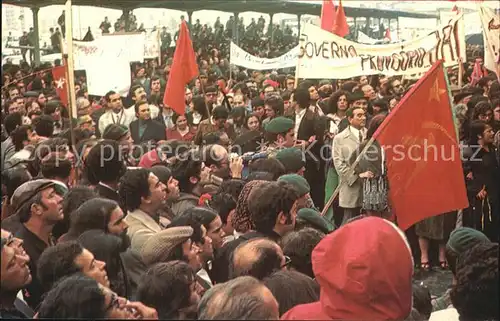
point(141, 189)
point(338, 102)
point(483, 111)
point(224, 205)
point(298, 246)
point(258, 107)
point(188, 96)
point(210, 94)
point(142, 110)
point(216, 158)
point(273, 207)
point(114, 101)
point(68, 258)
point(290, 83)
point(23, 136)
point(107, 248)
point(164, 174)
point(212, 223)
point(98, 213)
point(244, 298)
point(291, 288)
point(155, 84)
point(395, 87)
point(56, 166)
point(200, 237)
point(481, 133)
point(239, 101)
point(461, 240)
point(380, 106)
point(257, 257)
point(81, 297)
point(188, 173)
point(387, 272)
point(393, 102)
point(170, 288)
point(53, 109)
point(356, 117)
point(12, 121)
point(13, 92)
point(137, 93)
point(174, 243)
point(14, 266)
point(12, 178)
point(358, 100)
point(252, 122)
point(83, 106)
point(220, 115)
point(44, 126)
point(180, 121)
point(292, 159)
point(268, 165)
point(476, 294)
point(301, 186)
point(120, 134)
point(280, 131)
point(38, 202)
point(104, 162)
point(274, 107)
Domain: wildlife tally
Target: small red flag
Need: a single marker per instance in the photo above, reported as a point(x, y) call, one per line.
point(341, 28)
point(184, 69)
point(59, 77)
point(423, 160)
point(327, 15)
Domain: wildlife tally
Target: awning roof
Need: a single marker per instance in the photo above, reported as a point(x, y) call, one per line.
point(264, 6)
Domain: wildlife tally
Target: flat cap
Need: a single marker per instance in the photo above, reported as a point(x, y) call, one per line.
point(28, 190)
point(279, 125)
point(159, 246)
point(297, 181)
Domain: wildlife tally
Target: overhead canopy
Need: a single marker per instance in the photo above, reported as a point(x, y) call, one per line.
point(264, 6)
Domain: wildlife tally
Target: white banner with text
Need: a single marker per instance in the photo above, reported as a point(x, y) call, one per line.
point(240, 57)
point(325, 55)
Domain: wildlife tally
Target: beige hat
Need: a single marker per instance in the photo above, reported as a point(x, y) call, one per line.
point(159, 246)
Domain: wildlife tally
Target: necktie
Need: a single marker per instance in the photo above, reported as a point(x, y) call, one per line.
point(360, 137)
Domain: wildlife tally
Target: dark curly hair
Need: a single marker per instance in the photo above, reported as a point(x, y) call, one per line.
point(334, 99)
point(133, 186)
point(476, 294)
point(273, 198)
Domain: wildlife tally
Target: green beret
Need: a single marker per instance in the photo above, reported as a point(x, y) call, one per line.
point(299, 182)
point(315, 219)
point(279, 125)
point(291, 158)
point(464, 238)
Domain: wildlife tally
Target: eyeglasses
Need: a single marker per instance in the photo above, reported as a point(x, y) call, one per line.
point(288, 260)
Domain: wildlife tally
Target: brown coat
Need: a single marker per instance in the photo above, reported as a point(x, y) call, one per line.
point(206, 127)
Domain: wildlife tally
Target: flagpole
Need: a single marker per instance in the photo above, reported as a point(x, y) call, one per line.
point(70, 77)
point(460, 73)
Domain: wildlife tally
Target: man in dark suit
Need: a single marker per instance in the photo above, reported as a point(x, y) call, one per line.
point(310, 138)
point(145, 129)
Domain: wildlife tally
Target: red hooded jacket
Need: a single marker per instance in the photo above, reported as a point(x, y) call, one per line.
point(364, 270)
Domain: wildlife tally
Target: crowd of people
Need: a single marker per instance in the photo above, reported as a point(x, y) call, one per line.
point(132, 210)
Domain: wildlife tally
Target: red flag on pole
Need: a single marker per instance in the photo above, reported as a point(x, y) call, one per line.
point(59, 77)
point(184, 69)
point(341, 28)
point(423, 159)
point(327, 15)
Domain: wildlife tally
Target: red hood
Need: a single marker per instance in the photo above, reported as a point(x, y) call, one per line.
point(365, 272)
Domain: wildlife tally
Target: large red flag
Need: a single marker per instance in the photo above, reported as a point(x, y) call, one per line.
point(423, 160)
point(341, 28)
point(327, 15)
point(184, 69)
point(59, 77)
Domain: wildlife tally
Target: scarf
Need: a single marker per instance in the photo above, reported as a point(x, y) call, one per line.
point(242, 219)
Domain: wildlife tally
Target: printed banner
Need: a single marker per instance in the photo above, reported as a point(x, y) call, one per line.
point(111, 48)
point(152, 45)
point(325, 55)
point(240, 57)
point(108, 75)
point(491, 34)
